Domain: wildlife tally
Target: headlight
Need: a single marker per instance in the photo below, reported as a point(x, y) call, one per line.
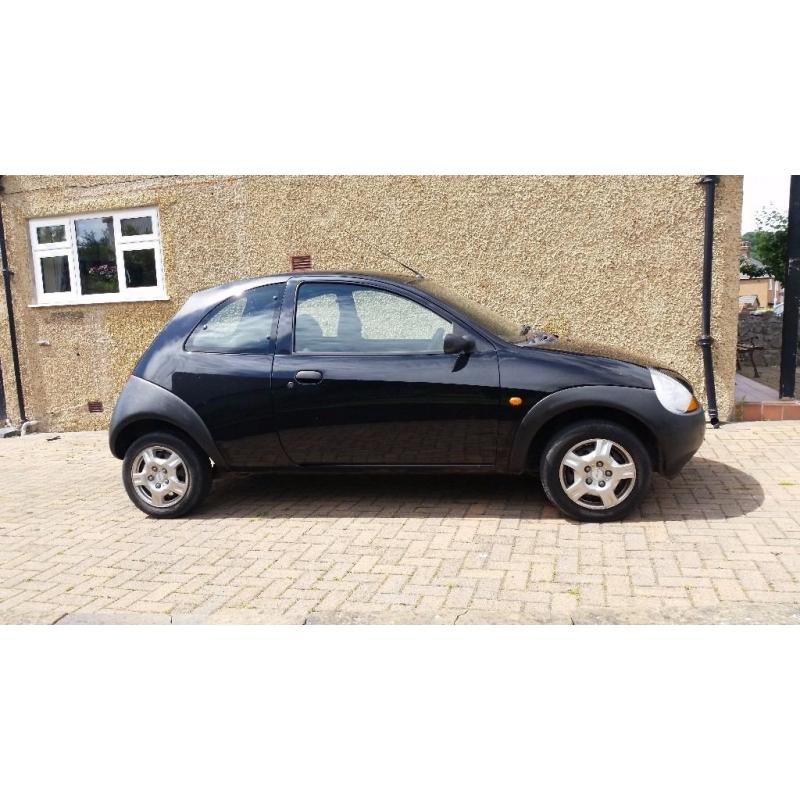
point(672, 394)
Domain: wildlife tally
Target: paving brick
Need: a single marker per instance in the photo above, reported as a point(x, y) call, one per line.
point(459, 598)
point(618, 585)
point(592, 595)
point(724, 533)
point(752, 580)
point(563, 603)
point(729, 589)
point(542, 572)
point(635, 541)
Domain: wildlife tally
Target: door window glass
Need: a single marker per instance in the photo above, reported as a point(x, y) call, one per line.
point(341, 318)
point(241, 324)
point(317, 311)
point(388, 317)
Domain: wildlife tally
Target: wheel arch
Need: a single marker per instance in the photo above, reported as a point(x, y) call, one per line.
point(127, 435)
point(612, 404)
point(144, 407)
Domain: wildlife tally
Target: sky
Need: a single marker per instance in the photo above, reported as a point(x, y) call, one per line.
point(760, 191)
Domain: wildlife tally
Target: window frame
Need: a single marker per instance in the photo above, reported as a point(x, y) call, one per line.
point(59, 298)
point(353, 286)
point(52, 222)
point(122, 244)
point(136, 237)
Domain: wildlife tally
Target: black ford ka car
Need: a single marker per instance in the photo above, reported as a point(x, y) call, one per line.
point(367, 372)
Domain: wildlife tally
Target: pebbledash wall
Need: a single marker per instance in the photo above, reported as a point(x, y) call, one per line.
point(613, 259)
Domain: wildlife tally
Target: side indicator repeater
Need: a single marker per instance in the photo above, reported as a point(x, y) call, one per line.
point(515, 401)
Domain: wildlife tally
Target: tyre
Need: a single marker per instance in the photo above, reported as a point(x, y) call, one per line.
point(595, 471)
point(164, 475)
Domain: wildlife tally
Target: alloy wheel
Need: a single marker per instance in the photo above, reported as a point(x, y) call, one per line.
point(597, 473)
point(159, 476)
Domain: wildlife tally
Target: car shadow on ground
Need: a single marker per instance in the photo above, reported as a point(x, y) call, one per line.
point(705, 490)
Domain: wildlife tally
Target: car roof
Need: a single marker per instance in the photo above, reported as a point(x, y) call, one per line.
point(263, 280)
point(400, 277)
point(308, 274)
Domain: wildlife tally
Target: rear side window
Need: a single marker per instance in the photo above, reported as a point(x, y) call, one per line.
point(241, 324)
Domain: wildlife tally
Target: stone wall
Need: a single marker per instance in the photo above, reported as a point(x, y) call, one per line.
point(764, 330)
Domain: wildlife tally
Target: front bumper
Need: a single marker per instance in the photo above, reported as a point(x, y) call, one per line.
point(679, 438)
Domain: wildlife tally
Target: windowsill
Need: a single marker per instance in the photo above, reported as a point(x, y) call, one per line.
point(104, 301)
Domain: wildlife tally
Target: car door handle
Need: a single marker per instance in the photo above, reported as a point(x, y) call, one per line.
point(308, 376)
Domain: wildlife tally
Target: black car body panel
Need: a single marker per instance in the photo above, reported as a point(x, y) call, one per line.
point(677, 436)
point(529, 369)
point(427, 410)
point(607, 353)
point(142, 401)
point(277, 409)
point(231, 394)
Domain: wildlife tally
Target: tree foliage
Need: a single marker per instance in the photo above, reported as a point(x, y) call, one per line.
point(769, 244)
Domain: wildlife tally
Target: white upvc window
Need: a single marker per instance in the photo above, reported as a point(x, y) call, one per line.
point(102, 257)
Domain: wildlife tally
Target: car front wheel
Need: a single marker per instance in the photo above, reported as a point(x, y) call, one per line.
point(164, 475)
point(595, 471)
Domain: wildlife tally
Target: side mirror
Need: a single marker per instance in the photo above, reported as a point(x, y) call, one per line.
point(453, 343)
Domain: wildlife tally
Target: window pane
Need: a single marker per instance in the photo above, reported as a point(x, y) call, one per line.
point(136, 226)
point(317, 317)
point(97, 259)
point(240, 325)
point(390, 317)
point(55, 274)
point(48, 234)
point(338, 318)
point(140, 268)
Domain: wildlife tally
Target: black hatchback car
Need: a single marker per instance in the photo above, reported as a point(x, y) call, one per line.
point(366, 372)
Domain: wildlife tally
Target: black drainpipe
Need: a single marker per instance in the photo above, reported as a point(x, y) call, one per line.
point(791, 295)
point(706, 340)
point(12, 330)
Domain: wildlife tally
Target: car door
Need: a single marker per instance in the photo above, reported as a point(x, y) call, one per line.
point(223, 372)
point(360, 378)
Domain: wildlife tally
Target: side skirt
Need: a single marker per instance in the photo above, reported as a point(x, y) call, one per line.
point(375, 469)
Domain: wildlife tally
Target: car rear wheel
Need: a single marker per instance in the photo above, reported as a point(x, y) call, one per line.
point(164, 475)
point(595, 471)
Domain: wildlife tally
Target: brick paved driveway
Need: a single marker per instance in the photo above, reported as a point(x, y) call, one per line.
point(719, 543)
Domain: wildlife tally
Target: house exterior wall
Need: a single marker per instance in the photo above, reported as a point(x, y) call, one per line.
point(614, 259)
point(766, 289)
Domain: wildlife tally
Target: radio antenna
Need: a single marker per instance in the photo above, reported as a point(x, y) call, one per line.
point(385, 254)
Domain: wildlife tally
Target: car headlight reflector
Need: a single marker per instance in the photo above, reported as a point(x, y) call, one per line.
point(672, 394)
